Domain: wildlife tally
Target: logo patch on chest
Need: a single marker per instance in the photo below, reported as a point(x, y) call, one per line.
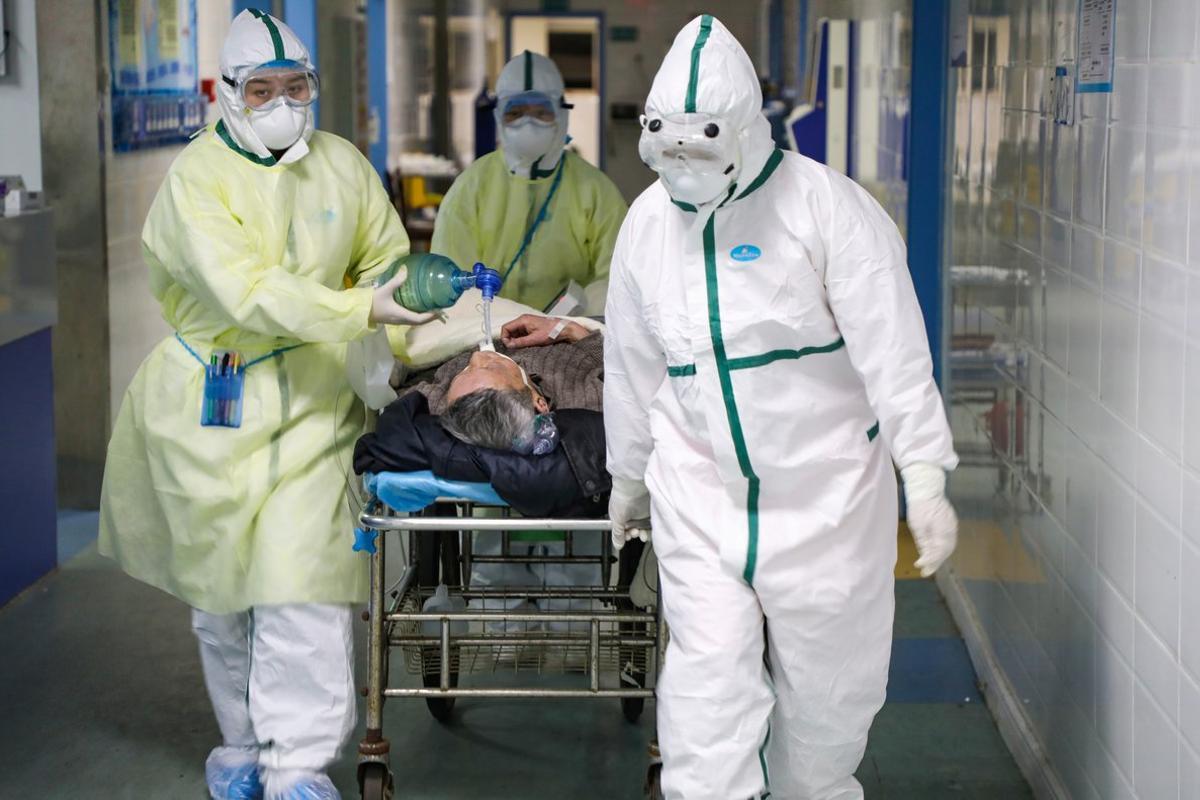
point(745, 252)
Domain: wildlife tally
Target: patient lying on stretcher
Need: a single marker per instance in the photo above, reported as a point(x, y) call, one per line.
point(525, 418)
point(503, 399)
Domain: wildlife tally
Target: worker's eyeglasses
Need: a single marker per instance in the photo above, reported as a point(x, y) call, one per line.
point(266, 87)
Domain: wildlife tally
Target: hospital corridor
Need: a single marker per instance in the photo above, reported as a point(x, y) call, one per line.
point(599, 399)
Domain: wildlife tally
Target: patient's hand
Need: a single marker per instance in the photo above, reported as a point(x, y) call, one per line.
point(530, 330)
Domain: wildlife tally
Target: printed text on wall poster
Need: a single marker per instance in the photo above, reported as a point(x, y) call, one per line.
point(1095, 58)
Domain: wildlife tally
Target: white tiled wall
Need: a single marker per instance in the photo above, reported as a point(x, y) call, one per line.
point(1095, 229)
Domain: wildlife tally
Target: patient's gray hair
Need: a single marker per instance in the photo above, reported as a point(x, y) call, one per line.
point(501, 419)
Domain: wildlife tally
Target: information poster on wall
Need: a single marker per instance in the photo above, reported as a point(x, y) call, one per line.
point(169, 51)
point(155, 98)
point(1094, 64)
point(153, 45)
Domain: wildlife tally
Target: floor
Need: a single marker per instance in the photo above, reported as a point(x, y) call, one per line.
point(101, 697)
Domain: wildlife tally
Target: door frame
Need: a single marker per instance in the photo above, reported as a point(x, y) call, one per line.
point(601, 18)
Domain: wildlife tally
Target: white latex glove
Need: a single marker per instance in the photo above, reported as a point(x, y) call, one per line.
point(931, 518)
point(629, 512)
point(386, 311)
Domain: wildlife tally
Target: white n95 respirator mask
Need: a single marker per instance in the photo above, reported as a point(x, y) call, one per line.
point(527, 141)
point(281, 127)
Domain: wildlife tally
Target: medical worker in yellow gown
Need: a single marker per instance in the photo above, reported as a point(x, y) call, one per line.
point(255, 233)
point(540, 215)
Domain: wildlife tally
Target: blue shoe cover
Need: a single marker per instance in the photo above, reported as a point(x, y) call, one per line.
point(232, 774)
point(300, 785)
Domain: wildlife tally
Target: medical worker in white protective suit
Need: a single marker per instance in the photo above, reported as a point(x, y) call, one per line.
point(258, 229)
point(765, 363)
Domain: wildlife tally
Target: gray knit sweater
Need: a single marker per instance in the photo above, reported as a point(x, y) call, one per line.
point(571, 374)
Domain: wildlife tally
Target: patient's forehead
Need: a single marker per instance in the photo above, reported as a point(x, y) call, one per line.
point(496, 374)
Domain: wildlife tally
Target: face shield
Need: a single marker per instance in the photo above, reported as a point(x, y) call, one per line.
point(696, 155)
point(274, 84)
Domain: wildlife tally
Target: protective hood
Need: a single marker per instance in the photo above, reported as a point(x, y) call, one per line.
point(256, 38)
point(708, 72)
point(528, 154)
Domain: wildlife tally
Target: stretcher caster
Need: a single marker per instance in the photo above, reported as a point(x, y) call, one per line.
point(375, 782)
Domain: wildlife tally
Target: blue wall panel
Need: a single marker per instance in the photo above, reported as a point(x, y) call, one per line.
point(245, 5)
point(28, 538)
point(927, 163)
point(377, 83)
point(810, 131)
point(301, 16)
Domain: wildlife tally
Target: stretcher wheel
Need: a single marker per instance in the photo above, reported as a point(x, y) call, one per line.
point(440, 707)
point(375, 782)
point(632, 708)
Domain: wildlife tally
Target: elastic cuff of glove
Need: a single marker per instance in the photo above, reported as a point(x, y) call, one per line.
point(629, 488)
point(923, 481)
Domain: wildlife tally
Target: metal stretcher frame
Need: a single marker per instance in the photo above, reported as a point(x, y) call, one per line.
point(606, 628)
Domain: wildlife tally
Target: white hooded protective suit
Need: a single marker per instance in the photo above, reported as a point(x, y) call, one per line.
point(532, 72)
point(765, 361)
point(256, 38)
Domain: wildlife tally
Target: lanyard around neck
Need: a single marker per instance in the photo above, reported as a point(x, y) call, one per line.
point(541, 215)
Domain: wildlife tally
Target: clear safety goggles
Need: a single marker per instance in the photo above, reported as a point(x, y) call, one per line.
point(269, 85)
point(702, 142)
point(537, 107)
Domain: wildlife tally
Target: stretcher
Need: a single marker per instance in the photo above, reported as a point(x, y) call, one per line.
point(519, 631)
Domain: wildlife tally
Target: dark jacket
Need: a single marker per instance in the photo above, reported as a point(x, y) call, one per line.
point(570, 482)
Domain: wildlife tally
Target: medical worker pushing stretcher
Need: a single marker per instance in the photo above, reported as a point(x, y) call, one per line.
point(250, 241)
point(765, 363)
point(539, 214)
